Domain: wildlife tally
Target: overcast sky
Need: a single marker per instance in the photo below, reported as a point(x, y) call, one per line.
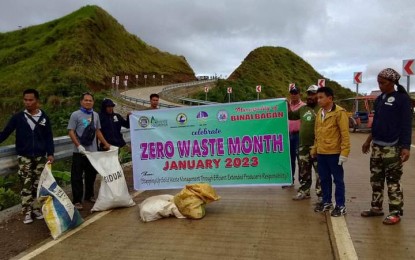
point(336, 37)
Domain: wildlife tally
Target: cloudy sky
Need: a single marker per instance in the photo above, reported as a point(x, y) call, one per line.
point(336, 37)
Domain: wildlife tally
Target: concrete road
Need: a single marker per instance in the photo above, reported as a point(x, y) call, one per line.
point(144, 93)
point(250, 223)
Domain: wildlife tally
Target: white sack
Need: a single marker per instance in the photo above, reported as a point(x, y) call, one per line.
point(157, 207)
point(113, 192)
point(58, 211)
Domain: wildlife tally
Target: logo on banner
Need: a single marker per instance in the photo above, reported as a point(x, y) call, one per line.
point(202, 117)
point(143, 121)
point(181, 119)
point(157, 123)
point(222, 116)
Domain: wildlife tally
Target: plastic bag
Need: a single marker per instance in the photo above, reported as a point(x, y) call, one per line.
point(192, 199)
point(113, 192)
point(157, 207)
point(58, 211)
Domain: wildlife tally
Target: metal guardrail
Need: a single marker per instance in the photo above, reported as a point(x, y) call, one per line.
point(197, 101)
point(144, 102)
point(171, 87)
point(190, 101)
point(187, 84)
point(63, 150)
point(63, 144)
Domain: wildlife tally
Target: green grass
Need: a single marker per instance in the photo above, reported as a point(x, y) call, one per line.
point(274, 68)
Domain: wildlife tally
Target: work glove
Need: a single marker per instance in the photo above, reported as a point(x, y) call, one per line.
point(342, 159)
point(81, 149)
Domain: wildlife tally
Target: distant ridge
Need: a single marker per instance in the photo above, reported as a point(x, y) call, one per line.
point(277, 67)
point(274, 68)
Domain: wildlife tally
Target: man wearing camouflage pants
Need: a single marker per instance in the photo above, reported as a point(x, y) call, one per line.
point(391, 141)
point(307, 116)
point(34, 141)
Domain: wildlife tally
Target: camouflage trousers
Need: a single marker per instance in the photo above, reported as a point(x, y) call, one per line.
point(29, 172)
point(385, 164)
point(305, 172)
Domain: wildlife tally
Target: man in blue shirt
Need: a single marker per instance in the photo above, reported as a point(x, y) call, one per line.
point(391, 142)
point(34, 147)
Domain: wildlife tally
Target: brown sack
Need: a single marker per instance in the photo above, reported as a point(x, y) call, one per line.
point(192, 199)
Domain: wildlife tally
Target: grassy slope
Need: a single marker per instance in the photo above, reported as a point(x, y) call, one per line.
point(86, 47)
point(78, 52)
point(274, 68)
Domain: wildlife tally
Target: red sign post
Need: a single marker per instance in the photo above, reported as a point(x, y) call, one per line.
point(357, 78)
point(229, 90)
point(321, 83)
point(408, 70)
point(258, 90)
point(206, 92)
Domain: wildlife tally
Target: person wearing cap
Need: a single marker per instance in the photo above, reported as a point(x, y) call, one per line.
point(111, 123)
point(307, 116)
point(294, 128)
point(391, 142)
point(82, 168)
point(332, 148)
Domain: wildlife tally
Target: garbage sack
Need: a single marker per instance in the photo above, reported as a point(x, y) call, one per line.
point(192, 199)
point(157, 207)
point(58, 211)
point(113, 192)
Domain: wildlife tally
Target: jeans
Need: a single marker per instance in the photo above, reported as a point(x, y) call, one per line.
point(327, 167)
point(294, 144)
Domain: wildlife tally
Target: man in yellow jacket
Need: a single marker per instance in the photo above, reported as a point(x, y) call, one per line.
point(331, 147)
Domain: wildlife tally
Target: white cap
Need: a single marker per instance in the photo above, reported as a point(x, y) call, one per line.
point(312, 88)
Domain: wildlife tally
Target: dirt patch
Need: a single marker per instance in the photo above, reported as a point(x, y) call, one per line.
point(17, 237)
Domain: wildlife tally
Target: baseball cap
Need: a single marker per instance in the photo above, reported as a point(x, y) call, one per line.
point(108, 103)
point(312, 88)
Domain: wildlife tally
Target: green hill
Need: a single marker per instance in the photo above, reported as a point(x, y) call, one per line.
point(76, 53)
point(85, 48)
point(274, 68)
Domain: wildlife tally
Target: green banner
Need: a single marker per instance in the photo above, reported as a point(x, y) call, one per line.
point(243, 143)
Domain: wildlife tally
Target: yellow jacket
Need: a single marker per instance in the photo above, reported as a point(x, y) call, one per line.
point(332, 133)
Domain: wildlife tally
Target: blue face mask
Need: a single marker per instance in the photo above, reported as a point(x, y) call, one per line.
point(87, 111)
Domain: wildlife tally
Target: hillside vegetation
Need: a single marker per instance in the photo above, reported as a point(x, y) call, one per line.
point(274, 68)
point(78, 52)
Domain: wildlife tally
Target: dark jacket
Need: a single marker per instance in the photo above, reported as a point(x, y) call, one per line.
point(393, 119)
point(30, 143)
point(111, 128)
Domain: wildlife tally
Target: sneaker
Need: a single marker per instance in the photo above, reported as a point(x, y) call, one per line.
point(338, 211)
point(393, 218)
point(372, 212)
point(301, 196)
point(78, 206)
point(28, 218)
point(323, 207)
point(37, 214)
point(319, 199)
